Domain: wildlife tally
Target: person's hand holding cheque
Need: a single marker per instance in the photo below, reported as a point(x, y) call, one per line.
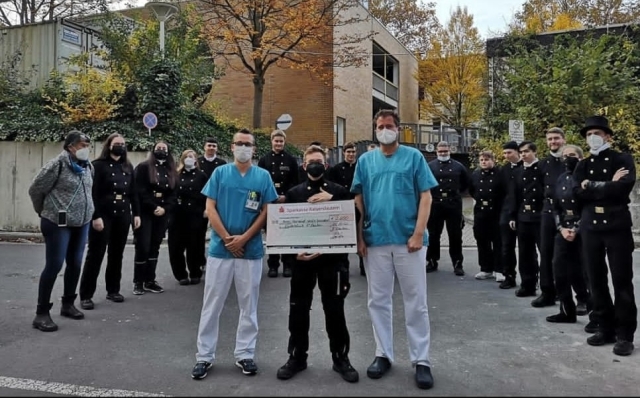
point(304, 256)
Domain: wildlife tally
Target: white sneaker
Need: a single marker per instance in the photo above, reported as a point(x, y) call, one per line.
point(485, 275)
point(500, 277)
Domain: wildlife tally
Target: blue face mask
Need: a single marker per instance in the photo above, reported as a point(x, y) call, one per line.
point(78, 166)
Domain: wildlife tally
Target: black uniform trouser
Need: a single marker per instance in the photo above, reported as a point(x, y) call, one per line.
point(333, 281)
point(486, 230)
point(508, 239)
point(186, 234)
point(548, 233)
point(619, 317)
point(452, 217)
point(273, 261)
point(528, 240)
point(114, 236)
point(568, 271)
point(204, 227)
point(148, 239)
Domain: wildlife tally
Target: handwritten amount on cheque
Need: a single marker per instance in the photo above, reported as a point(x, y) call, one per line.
point(334, 226)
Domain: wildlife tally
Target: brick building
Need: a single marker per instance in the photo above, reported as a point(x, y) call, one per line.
point(340, 111)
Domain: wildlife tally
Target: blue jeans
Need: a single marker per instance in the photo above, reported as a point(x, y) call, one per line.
point(62, 243)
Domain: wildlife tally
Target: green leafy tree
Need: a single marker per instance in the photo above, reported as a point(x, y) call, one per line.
point(563, 83)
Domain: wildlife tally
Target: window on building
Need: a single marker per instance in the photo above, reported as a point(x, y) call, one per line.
point(386, 76)
point(341, 130)
point(437, 123)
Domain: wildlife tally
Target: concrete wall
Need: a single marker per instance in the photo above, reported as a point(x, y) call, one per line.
point(19, 163)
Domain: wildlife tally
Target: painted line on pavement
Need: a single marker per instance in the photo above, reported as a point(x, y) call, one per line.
point(69, 389)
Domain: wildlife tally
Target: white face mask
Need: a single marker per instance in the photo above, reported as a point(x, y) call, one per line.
point(444, 158)
point(189, 163)
point(83, 154)
point(387, 136)
point(242, 153)
point(595, 142)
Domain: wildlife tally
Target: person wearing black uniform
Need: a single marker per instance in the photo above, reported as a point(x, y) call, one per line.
point(567, 253)
point(331, 274)
point(551, 167)
point(488, 191)
point(302, 174)
point(155, 182)
point(184, 219)
point(525, 207)
point(115, 202)
point(283, 169)
point(210, 160)
point(342, 174)
point(453, 179)
point(508, 236)
point(604, 182)
point(208, 163)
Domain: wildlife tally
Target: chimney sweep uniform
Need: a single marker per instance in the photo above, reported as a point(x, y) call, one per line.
point(116, 201)
point(184, 232)
point(208, 166)
point(152, 228)
point(606, 234)
point(508, 236)
point(332, 276)
point(488, 190)
point(526, 201)
point(283, 169)
point(453, 179)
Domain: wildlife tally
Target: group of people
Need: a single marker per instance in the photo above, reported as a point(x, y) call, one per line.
point(571, 210)
point(97, 202)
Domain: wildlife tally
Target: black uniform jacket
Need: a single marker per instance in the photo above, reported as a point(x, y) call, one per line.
point(342, 174)
point(605, 202)
point(208, 167)
point(507, 175)
point(527, 194)
point(152, 195)
point(283, 169)
point(301, 192)
point(114, 189)
point(189, 199)
point(551, 168)
point(453, 180)
point(488, 190)
point(566, 207)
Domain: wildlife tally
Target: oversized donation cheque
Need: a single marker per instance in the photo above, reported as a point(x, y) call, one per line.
point(327, 227)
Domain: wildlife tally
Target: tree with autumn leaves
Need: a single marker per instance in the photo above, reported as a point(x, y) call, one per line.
point(452, 73)
point(255, 35)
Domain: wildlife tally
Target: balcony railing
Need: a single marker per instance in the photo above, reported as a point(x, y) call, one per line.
point(385, 87)
point(425, 136)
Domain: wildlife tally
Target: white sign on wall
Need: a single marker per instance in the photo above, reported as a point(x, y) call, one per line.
point(516, 130)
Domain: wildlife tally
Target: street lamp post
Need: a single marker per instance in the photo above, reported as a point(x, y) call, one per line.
point(163, 11)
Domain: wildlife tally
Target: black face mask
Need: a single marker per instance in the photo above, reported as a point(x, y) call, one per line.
point(160, 154)
point(570, 163)
point(315, 170)
point(119, 150)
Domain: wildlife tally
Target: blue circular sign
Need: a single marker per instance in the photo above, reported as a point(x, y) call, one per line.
point(150, 120)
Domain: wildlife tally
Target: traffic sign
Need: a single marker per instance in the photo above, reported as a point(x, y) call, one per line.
point(516, 130)
point(284, 121)
point(150, 121)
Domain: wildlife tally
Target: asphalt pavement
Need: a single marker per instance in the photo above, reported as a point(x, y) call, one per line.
point(485, 342)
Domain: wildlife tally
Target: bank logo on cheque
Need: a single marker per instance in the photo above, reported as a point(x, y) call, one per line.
point(309, 209)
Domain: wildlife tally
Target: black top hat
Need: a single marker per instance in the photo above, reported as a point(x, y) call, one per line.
point(510, 145)
point(596, 122)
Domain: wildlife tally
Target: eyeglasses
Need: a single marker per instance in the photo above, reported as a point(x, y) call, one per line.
point(247, 144)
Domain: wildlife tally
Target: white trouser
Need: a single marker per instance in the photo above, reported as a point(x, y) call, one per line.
point(383, 264)
point(220, 273)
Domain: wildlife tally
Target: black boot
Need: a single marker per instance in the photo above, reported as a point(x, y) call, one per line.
point(567, 314)
point(68, 309)
point(432, 265)
point(43, 320)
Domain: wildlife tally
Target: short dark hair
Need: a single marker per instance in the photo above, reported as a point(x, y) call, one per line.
point(211, 140)
point(555, 130)
point(530, 144)
point(316, 143)
point(510, 145)
point(385, 113)
point(349, 145)
point(74, 137)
